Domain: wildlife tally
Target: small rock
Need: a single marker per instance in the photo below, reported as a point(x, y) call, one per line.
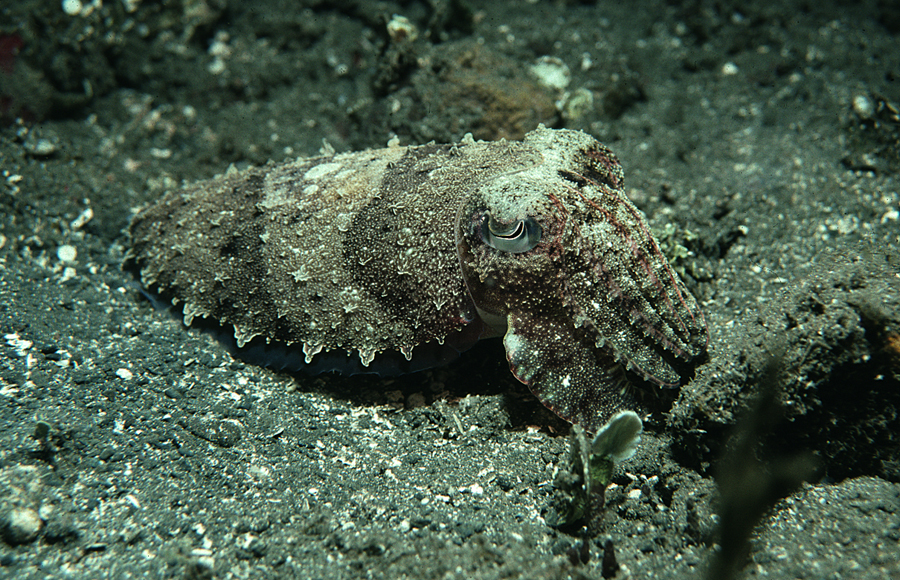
point(552, 72)
point(42, 148)
point(400, 29)
point(224, 433)
point(504, 482)
point(37, 145)
point(863, 107)
point(67, 253)
point(62, 529)
point(20, 526)
point(72, 7)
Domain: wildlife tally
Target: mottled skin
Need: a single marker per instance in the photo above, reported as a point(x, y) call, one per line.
point(595, 295)
point(394, 250)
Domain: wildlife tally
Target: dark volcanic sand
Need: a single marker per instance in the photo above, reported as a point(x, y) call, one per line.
point(764, 136)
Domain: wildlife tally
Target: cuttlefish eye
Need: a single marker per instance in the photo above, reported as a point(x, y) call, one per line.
point(515, 238)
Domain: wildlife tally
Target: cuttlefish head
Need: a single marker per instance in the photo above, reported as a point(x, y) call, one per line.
point(562, 264)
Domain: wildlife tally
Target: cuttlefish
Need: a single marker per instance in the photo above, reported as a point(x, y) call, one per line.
point(400, 258)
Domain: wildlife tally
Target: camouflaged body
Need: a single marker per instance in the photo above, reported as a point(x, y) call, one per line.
point(390, 249)
point(353, 251)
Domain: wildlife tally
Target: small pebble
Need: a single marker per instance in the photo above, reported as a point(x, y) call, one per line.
point(72, 7)
point(729, 69)
point(400, 29)
point(863, 107)
point(61, 530)
point(40, 147)
point(67, 253)
point(21, 526)
point(552, 72)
